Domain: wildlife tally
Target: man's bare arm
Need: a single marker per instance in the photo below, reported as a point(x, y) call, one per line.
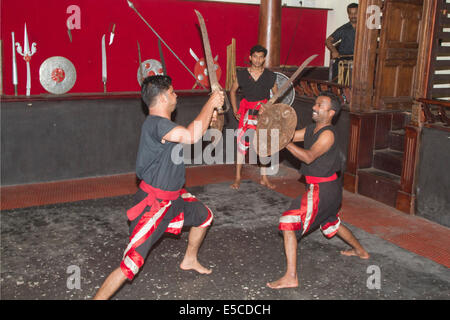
point(299, 135)
point(197, 128)
point(233, 99)
point(330, 45)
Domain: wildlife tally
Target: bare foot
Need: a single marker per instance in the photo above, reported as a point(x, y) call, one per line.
point(284, 282)
point(266, 183)
point(236, 184)
point(194, 265)
point(353, 252)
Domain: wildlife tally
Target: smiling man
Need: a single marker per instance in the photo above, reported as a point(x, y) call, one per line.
point(320, 205)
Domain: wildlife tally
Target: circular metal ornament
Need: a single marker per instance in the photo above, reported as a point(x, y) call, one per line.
point(275, 129)
point(57, 75)
point(150, 67)
point(289, 96)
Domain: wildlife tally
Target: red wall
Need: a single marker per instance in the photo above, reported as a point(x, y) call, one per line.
point(174, 20)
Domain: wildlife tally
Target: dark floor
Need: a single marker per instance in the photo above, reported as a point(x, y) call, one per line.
point(53, 233)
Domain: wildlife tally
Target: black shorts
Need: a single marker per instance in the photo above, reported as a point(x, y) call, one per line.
point(318, 207)
point(148, 227)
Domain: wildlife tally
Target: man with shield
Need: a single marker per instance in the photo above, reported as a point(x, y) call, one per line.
point(255, 82)
point(320, 205)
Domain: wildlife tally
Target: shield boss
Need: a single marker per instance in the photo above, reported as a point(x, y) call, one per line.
point(275, 129)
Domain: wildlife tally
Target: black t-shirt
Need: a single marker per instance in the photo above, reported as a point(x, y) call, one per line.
point(256, 90)
point(154, 162)
point(328, 163)
point(346, 33)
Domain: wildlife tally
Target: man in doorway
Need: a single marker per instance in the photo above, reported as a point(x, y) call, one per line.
point(161, 203)
point(320, 205)
point(255, 82)
point(341, 42)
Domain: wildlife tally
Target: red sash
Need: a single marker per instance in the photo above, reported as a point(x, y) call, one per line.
point(313, 180)
point(245, 105)
point(150, 199)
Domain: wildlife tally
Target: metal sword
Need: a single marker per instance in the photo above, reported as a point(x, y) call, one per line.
point(210, 62)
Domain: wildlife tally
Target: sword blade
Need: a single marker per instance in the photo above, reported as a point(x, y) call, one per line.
point(161, 56)
point(287, 84)
point(141, 73)
point(214, 83)
point(104, 74)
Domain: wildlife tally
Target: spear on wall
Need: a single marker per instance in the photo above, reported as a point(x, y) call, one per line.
point(14, 71)
point(26, 53)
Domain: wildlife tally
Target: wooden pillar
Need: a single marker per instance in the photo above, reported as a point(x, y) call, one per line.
point(364, 59)
point(269, 31)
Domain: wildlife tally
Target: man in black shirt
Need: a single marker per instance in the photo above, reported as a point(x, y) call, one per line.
point(255, 82)
point(320, 205)
point(345, 35)
point(161, 203)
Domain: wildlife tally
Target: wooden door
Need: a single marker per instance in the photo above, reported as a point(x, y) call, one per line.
point(397, 54)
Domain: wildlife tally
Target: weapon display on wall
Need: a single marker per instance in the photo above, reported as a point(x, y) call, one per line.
point(201, 70)
point(104, 71)
point(27, 53)
point(68, 30)
point(161, 56)
point(111, 36)
point(131, 5)
point(14, 69)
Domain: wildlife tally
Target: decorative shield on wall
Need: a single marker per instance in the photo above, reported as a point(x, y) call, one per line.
point(150, 67)
point(201, 72)
point(57, 75)
point(289, 96)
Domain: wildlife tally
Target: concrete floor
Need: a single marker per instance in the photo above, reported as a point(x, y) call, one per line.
point(45, 249)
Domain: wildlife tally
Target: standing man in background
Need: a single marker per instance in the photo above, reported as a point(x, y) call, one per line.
point(341, 42)
point(255, 83)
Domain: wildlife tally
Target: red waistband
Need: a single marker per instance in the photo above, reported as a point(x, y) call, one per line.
point(246, 105)
point(150, 200)
point(159, 193)
point(312, 180)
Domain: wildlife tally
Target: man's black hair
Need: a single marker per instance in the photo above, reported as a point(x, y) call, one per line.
point(152, 86)
point(352, 5)
point(335, 102)
point(258, 48)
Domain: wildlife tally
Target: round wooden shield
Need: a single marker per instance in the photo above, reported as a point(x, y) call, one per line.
point(275, 129)
point(57, 75)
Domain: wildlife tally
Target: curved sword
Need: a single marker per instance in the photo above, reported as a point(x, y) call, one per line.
point(214, 83)
point(287, 84)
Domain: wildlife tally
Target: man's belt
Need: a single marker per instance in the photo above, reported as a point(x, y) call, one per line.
point(313, 180)
point(151, 199)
